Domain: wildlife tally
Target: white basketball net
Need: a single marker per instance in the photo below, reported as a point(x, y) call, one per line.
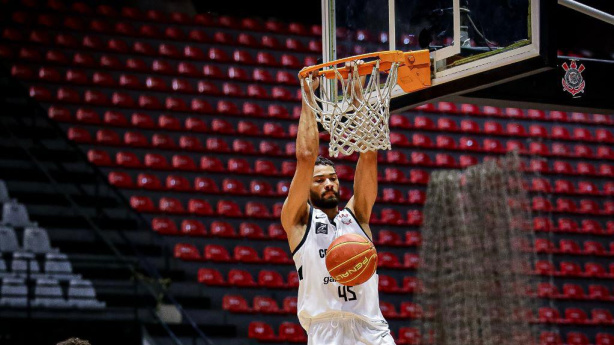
point(356, 117)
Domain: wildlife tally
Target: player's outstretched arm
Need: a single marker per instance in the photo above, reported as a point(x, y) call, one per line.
point(295, 210)
point(365, 189)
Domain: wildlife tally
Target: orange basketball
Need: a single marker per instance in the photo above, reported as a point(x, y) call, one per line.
point(351, 259)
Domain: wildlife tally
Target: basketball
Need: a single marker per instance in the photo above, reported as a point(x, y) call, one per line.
point(351, 259)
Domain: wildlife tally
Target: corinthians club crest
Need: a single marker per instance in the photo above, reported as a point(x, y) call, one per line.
point(573, 81)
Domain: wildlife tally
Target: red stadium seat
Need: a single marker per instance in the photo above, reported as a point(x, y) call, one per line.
point(548, 315)
point(567, 225)
point(276, 255)
point(270, 279)
point(577, 338)
point(171, 205)
point(135, 139)
point(251, 231)
point(79, 135)
point(593, 269)
point(569, 247)
point(120, 179)
point(205, 185)
point(424, 123)
point(192, 227)
point(164, 226)
point(493, 128)
point(235, 304)
point(601, 316)
point(388, 238)
point(550, 338)
point(547, 290)
point(216, 253)
point(410, 310)
point(199, 207)
point(222, 229)
point(388, 309)
point(571, 269)
point(573, 291)
point(543, 245)
point(211, 276)
point(148, 181)
point(239, 165)
point(187, 251)
point(388, 259)
point(256, 210)
point(565, 205)
point(409, 336)
point(544, 267)
point(127, 159)
point(575, 316)
point(228, 208)
point(598, 292)
point(233, 186)
point(261, 331)
point(265, 305)
point(411, 261)
point(246, 254)
point(387, 284)
point(240, 278)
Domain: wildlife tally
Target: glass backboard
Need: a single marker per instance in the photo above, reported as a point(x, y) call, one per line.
point(465, 37)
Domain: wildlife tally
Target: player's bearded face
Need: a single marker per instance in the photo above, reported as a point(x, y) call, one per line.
point(324, 191)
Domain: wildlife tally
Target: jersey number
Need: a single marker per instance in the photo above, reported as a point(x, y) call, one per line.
point(344, 291)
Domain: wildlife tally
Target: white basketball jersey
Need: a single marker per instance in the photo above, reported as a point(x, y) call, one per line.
point(319, 295)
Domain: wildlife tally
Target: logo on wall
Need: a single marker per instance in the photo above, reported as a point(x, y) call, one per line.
point(573, 81)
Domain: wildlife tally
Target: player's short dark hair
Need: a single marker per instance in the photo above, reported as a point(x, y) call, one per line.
point(324, 161)
point(74, 341)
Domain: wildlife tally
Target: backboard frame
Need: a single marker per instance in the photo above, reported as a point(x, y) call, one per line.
point(535, 57)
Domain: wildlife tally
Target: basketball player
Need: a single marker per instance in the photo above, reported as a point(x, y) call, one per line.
point(330, 312)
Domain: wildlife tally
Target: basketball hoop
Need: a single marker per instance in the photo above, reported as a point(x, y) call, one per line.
point(356, 115)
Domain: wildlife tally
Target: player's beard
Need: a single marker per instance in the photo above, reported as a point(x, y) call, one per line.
point(321, 202)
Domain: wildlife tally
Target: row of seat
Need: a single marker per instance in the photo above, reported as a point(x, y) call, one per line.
point(156, 16)
point(261, 304)
point(567, 246)
point(149, 101)
point(48, 294)
point(491, 145)
point(26, 265)
point(193, 227)
point(501, 128)
point(134, 64)
point(233, 186)
point(567, 225)
point(516, 113)
point(243, 279)
point(270, 148)
point(230, 87)
point(575, 292)
point(190, 52)
point(253, 209)
point(575, 316)
point(543, 166)
point(288, 331)
point(573, 269)
point(566, 205)
point(193, 143)
point(170, 33)
point(273, 255)
point(575, 338)
point(35, 239)
point(241, 253)
point(562, 186)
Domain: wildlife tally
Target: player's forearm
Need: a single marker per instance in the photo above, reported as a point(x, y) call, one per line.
point(307, 138)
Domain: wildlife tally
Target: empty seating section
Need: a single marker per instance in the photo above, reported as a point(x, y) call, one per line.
point(33, 264)
point(194, 120)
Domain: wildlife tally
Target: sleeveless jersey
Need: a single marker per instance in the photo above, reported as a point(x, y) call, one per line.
point(319, 295)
